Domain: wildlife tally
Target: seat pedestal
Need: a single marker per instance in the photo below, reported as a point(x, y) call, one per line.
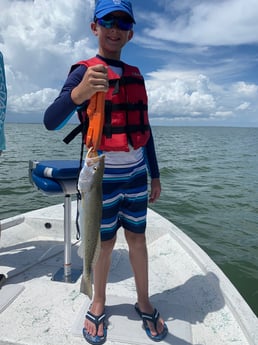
point(67, 274)
point(55, 178)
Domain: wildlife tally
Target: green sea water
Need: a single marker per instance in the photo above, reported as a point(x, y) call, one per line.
point(209, 182)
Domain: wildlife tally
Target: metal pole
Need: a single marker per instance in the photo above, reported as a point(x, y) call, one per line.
point(67, 238)
point(67, 274)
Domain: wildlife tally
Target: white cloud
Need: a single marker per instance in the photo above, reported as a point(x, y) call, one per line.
point(245, 89)
point(222, 114)
point(40, 40)
point(183, 95)
point(179, 95)
point(243, 106)
point(32, 102)
point(226, 22)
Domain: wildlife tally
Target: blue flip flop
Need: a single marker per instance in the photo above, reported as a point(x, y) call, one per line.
point(97, 320)
point(154, 319)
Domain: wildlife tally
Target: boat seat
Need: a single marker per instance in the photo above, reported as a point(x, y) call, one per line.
point(54, 177)
point(59, 177)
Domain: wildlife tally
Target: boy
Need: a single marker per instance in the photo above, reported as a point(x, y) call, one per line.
point(127, 143)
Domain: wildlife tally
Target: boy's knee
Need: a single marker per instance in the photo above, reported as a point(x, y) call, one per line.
point(107, 246)
point(134, 239)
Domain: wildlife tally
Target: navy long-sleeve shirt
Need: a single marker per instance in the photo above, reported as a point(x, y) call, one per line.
point(63, 108)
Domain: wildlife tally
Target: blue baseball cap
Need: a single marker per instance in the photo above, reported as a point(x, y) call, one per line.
point(104, 7)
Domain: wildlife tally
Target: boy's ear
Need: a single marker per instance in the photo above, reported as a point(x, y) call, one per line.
point(130, 35)
point(93, 27)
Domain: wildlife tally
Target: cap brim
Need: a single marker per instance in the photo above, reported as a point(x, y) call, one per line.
point(104, 12)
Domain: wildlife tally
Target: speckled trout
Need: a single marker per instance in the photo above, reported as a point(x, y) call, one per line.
point(90, 213)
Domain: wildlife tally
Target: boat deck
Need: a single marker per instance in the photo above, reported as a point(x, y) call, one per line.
point(197, 301)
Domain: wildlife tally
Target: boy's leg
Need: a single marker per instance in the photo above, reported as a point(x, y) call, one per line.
point(139, 260)
point(100, 275)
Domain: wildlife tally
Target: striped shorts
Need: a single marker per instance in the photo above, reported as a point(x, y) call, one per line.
point(125, 199)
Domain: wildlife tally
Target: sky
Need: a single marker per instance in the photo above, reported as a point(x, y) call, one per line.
point(199, 58)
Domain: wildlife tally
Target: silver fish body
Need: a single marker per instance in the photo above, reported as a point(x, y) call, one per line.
point(90, 187)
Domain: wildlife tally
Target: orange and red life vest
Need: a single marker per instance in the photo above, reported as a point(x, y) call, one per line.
point(126, 110)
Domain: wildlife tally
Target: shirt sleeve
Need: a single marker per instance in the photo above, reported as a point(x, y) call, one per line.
point(63, 108)
point(151, 158)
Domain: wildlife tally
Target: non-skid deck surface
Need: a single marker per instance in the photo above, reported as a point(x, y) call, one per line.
point(8, 294)
point(124, 324)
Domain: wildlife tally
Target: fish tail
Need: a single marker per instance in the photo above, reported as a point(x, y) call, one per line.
point(86, 286)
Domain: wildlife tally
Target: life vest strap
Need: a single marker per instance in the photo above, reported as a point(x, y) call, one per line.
point(130, 106)
point(126, 80)
point(73, 134)
point(107, 129)
point(125, 129)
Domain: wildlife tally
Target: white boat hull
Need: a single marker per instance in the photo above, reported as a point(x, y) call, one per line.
point(197, 301)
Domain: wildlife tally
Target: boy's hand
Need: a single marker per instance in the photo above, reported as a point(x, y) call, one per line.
point(94, 80)
point(155, 190)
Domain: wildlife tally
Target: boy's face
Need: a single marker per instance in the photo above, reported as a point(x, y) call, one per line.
point(113, 32)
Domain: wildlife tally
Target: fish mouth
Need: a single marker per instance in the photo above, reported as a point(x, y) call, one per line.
point(92, 153)
point(92, 156)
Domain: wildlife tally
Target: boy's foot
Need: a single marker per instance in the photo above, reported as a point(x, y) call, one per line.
point(95, 330)
point(97, 320)
point(154, 326)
